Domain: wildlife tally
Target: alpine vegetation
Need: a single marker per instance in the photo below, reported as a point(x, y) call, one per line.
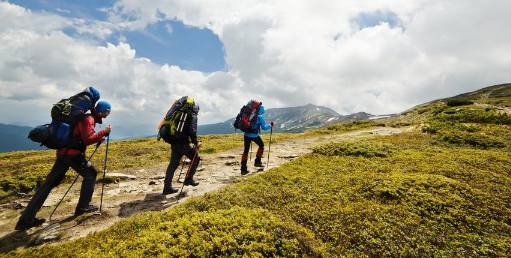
point(440, 188)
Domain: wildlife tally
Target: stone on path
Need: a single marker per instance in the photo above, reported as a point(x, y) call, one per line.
point(120, 176)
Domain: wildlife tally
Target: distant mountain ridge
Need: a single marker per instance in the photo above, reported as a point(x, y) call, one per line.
point(291, 119)
point(14, 138)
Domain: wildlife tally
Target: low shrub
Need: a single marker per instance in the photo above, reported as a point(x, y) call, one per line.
point(233, 232)
point(346, 127)
point(476, 116)
point(349, 148)
point(459, 102)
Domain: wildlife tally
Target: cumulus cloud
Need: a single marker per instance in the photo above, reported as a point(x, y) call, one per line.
point(378, 57)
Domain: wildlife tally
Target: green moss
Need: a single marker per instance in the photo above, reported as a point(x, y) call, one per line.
point(234, 232)
point(443, 191)
point(481, 116)
point(345, 127)
point(416, 201)
point(356, 149)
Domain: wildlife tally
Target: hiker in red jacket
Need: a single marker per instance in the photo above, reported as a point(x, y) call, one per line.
point(72, 155)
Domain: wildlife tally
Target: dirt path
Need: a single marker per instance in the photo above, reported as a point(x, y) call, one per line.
point(142, 192)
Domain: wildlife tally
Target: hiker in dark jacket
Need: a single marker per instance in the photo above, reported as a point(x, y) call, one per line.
point(183, 147)
point(254, 137)
point(73, 157)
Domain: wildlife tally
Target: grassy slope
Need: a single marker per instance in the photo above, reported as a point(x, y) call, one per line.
point(22, 171)
point(442, 190)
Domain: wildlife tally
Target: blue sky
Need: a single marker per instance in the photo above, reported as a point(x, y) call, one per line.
point(168, 42)
point(187, 47)
point(375, 56)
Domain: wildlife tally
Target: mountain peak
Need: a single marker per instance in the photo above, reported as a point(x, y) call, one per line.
point(291, 119)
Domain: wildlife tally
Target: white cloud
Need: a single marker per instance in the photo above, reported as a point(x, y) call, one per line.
point(169, 28)
point(284, 53)
point(62, 11)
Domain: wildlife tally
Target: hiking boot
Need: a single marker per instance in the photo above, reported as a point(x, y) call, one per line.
point(169, 190)
point(191, 182)
point(258, 163)
point(80, 210)
point(24, 225)
point(244, 169)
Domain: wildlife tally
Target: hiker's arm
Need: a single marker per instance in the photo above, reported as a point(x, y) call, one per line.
point(87, 132)
point(193, 130)
point(264, 126)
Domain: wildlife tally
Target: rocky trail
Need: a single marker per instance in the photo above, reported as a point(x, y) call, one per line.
point(139, 190)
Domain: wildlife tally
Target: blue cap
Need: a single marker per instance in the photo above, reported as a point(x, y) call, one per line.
point(103, 107)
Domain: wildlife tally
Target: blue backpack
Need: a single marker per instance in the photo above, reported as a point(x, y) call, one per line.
point(65, 115)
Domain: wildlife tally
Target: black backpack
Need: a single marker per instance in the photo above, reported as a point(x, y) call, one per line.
point(176, 121)
point(247, 117)
point(65, 115)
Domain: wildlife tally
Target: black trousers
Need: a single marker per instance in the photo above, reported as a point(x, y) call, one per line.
point(62, 164)
point(178, 150)
point(248, 140)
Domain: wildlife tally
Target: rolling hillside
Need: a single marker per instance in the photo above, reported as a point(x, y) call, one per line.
point(434, 181)
point(14, 138)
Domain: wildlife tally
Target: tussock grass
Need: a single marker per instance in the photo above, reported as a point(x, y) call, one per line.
point(23, 171)
point(344, 127)
point(355, 149)
point(416, 194)
point(421, 201)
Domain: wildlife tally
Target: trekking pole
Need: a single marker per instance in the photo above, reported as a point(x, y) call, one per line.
point(269, 149)
point(181, 172)
point(97, 145)
point(250, 150)
point(104, 172)
point(188, 173)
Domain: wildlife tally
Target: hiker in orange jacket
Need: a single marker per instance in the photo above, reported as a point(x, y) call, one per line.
point(72, 155)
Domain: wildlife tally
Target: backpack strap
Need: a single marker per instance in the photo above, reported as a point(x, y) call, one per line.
point(75, 141)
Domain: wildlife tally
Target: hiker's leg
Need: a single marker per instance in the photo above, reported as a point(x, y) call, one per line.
point(259, 153)
point(244, 156)
point(190, 153)
point(89, 173)
point(246, 144)
point(55, 176)
point(260, 144)
point(175, 157)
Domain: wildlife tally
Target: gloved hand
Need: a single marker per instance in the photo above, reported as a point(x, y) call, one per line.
point(199, 144)
point(272, 123)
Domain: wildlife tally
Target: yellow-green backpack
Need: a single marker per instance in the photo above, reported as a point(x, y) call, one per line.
point(176, 121)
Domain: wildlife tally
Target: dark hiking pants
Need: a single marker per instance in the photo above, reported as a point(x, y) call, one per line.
point(62, 164)
point(247, 141)
point(178, 150)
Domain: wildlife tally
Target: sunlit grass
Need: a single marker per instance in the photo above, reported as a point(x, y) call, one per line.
point(414, 194)
point(415, 200)
point(23, 171)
